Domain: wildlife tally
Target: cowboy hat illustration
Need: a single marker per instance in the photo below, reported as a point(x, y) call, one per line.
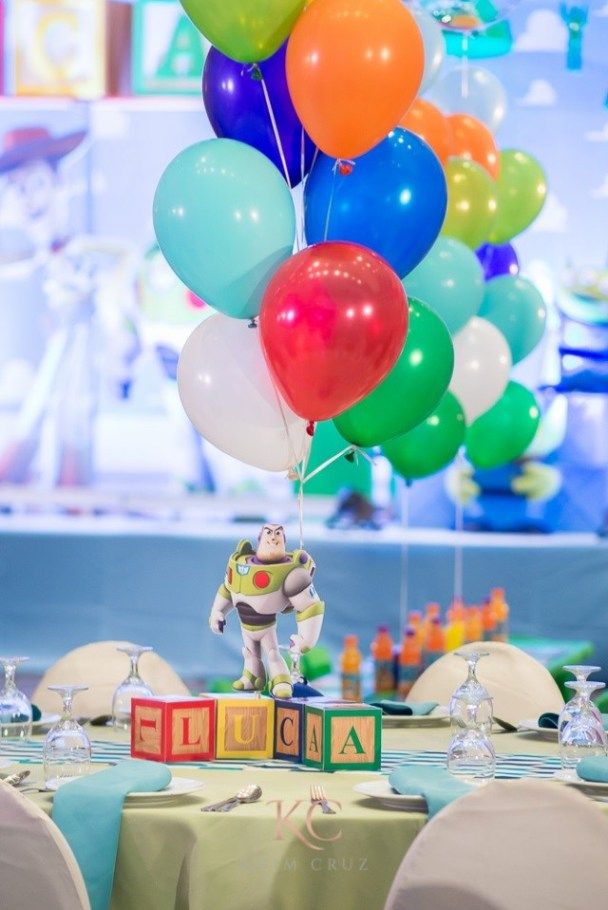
point(26, 144)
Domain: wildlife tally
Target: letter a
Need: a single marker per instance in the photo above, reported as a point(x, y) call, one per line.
point(352, 741)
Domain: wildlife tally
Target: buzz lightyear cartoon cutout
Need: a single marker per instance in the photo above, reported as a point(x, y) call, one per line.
point(260, 584)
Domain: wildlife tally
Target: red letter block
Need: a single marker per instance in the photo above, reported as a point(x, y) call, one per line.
point(172, 728)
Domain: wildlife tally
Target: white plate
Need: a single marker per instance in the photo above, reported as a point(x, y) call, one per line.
point(179, 786)
point(530, 725)
point(437, 718)
point(381, 790)
point(599, 788)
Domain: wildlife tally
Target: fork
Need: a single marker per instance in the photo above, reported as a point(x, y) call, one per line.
point(318, 796)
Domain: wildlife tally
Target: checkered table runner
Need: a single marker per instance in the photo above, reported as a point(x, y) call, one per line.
point(507, 766)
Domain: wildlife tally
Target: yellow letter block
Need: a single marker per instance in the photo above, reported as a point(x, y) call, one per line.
point(340, 737)
point(245, 727)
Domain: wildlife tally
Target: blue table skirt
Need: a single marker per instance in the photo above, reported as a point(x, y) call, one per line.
point(68, 582)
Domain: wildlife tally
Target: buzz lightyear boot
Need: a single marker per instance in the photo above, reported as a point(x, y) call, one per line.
point(253, 677)
point(281, 685)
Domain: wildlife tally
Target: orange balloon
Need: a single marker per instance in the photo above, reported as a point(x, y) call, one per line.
point(472, 139)
point(353, 67)
point(427, 121)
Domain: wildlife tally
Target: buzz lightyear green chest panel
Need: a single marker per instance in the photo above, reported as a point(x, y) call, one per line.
point(258, 588)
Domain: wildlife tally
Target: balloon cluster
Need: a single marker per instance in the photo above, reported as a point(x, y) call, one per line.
point(373, 311)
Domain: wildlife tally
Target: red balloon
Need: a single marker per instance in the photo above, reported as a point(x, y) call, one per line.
point(333, 322)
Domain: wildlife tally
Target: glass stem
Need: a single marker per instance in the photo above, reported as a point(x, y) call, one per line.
point(9, 677)
point(67, 706)
point(134, 674)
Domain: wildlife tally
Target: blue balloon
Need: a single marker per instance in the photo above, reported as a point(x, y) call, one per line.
point(393, 201)
point(237, 109)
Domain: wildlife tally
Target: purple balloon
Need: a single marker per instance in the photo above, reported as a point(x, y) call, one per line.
point(498, 260)
point(236, 106)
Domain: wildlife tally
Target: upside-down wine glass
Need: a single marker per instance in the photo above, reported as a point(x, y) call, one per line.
point(15, 707)
point(67, 750)
point(132, 687)
point(583, 735)
point(471, 754)
point(581, 672)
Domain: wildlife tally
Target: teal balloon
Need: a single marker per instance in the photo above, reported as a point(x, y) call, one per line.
point(450, 281)
point(516, 308)
point(225, 221)
point(504, 432)
point(411, 390)
point(431, 445)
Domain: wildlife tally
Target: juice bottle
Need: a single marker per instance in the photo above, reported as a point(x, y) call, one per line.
point(488, 620)
point(382, 652)
point(433, 611)
point(414, 621)
point(473, 624)
point(451, 631)
point(410, 662)
point(350, 661)
point(501, 611)
point(459, 620)
point(435, 643)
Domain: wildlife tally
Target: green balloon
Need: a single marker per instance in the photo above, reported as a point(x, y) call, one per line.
point(431, 445)
point(450, 280)
point(471, 202)
point(246, 30)
point(521, 190)
point(515, 306)
point(504, 432)
point(225, 221)
point(413, 387)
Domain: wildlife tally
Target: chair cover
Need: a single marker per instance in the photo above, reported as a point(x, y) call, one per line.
point(519, 685)
point(37, 868)
point(100, 666)
point(507, 846)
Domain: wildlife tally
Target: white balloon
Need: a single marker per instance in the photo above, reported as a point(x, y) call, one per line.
point(472, 90)
point(482, 363)
point(226, 390)
point(434, 45)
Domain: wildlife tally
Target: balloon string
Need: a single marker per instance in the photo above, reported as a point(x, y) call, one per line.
point(349, 450)
point(458, 550)
point(464, 82)
point(302, 472)
point(331, 202)
point(405, 559)
point(275, 129)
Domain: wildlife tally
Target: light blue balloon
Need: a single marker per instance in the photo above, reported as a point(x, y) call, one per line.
point(515, 306)
point(472, 90)
point(450, 281)
point(434, 45)
point(225, 221)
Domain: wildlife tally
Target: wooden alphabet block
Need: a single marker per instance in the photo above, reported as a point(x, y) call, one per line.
point(340, 737)
point(245, 727)
point(172, 728)
point(288, 728)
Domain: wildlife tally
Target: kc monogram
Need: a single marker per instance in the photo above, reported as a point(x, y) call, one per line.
point(285, 822)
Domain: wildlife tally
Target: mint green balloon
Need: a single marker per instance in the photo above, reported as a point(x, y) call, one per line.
point(450, 281)
point(516, 308)
point(431, 445)
point(504, 432)
point(225, 221)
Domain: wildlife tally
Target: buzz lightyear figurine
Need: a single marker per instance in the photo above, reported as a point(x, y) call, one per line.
point(260, 584)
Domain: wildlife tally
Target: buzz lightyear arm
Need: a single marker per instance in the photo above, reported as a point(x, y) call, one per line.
point(309, 609)
point(222, 604)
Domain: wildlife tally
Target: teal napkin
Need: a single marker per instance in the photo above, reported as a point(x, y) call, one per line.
point(88, 811)
point(404, 708)
point(549, 720)
point(437, 785)
point(595, 768)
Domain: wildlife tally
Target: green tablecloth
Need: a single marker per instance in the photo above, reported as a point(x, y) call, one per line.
point(172, 856)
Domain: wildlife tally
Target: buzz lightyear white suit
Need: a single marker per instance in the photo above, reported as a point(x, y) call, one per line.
point(259, 585)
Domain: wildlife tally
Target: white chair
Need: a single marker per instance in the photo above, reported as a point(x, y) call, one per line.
point(519, 685)
point(101, 667)
point(511, 845)
point(38, 870)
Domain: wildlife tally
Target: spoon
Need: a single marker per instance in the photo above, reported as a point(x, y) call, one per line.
point(15, 779)
point(249, 794)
